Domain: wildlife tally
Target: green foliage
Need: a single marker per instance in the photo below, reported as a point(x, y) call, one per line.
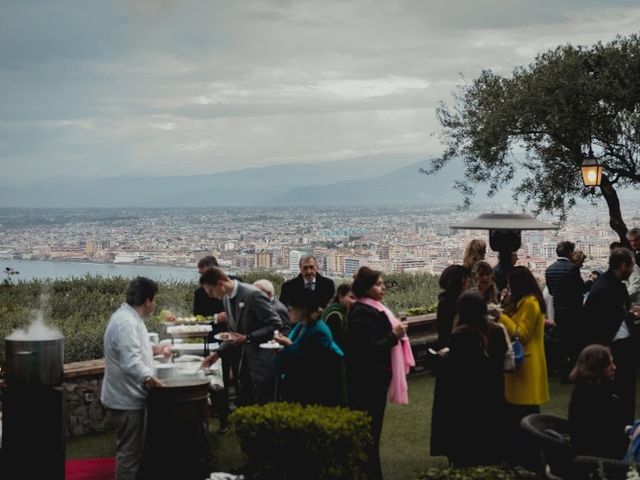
point(406, 290)
point(413, 311)
point(544, 119)
point(81, 307)
point(469, 473)
point(290, 441)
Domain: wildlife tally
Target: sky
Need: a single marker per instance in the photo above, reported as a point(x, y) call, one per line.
point(184, 87)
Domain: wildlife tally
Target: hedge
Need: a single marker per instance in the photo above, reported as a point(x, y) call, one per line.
point(470, 473)
point(80, 307)
point(286, 441)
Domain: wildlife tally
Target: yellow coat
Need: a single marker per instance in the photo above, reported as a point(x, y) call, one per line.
point(529, 385)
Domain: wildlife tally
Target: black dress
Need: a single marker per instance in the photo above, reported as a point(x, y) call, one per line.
point(445, 316)
point(596, 421)
point(468, 406)
point(369, 341)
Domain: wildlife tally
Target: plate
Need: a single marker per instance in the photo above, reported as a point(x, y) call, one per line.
point(271, 345)
point(224, 336)
point(194, 347)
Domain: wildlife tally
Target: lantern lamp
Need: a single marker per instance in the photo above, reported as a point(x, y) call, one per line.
point(591, 172)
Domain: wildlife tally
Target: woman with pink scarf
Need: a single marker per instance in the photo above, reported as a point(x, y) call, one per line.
point(378, 357)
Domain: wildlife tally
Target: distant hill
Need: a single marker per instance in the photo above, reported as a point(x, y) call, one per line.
point(250, 186)
point(404, 186)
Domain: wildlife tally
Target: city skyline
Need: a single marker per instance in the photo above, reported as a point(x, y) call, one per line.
point(408, 239)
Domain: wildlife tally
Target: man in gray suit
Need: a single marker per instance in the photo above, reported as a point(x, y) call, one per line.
point(268, 289)
point(252, 320)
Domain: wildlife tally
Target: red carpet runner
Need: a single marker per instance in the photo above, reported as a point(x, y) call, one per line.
point(91, 469)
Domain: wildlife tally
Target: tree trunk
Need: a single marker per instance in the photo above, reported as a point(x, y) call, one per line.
point(615, 214)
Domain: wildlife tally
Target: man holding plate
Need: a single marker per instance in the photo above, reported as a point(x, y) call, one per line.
point(252, 320)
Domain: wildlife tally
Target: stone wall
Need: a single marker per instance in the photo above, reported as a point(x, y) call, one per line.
point(83, 411)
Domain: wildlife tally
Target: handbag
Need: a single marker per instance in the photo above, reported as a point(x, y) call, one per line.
point(509, 363)
point(518, 350)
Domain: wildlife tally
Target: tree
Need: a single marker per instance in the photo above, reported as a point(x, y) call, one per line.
point(546, 118)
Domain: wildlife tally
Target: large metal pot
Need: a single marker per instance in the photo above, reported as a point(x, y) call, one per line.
point(34, 362)
point(176, 440)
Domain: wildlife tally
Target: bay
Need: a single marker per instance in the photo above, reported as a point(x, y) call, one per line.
point(40, 269)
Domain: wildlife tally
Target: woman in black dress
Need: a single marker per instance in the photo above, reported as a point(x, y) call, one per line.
point(453, 280)
point(466, 418)
point(369, 341)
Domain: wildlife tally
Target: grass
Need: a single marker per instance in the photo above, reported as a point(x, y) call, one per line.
point(405, 438)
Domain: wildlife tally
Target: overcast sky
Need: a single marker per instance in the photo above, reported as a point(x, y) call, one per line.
point(163, 87)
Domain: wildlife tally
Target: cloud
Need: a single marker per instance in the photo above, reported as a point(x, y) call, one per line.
point(199, 86)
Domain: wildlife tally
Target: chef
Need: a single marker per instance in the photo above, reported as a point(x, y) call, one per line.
point(129, 373)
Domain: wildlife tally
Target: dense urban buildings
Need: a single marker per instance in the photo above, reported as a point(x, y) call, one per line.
point(411, 239)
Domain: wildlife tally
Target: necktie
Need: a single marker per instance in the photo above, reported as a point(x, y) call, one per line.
point(232, 306)
point(310, 286)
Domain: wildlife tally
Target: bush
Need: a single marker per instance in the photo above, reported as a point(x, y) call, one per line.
point(286, 441)
point(80, 307)
point(469, 473)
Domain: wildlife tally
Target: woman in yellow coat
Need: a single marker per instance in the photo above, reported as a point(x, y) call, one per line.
point(528, 387)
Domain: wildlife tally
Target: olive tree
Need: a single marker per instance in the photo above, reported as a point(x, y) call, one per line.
point(545, 119)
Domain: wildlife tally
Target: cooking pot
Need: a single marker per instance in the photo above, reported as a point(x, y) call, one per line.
point(34, 362)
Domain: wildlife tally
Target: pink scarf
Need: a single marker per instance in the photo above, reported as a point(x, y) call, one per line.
point(401, 357)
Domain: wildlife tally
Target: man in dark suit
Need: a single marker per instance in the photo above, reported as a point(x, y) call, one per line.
point(252, 319)
point(567, 287)
point(309, 278)
point(609, 322)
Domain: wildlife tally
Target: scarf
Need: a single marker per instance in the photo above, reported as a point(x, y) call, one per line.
point(401, 357)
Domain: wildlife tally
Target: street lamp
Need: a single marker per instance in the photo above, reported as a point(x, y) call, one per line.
point(591, 171)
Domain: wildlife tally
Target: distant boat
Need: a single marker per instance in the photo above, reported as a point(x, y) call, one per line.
point(128, 258)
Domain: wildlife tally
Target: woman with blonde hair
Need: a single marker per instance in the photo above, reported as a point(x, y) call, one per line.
point(475, 251)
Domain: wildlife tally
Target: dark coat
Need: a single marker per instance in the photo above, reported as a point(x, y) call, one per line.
point(445, 316)
point(325, 289)
point(595, 421)
point(468, 406)
point(204, 305)
point(565, 285)
point(369, 340)
point(605, 309)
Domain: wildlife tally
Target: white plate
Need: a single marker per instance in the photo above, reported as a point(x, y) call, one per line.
point(224, 336)
point(271, 346)
point(194, 347)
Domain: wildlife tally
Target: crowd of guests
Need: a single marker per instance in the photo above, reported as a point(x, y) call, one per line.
point(340, 347)
point(481, 394)
point(344, 347)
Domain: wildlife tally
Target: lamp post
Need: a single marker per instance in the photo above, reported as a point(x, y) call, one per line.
point(591, 171)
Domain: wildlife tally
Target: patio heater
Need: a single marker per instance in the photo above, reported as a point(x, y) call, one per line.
point(504, 231)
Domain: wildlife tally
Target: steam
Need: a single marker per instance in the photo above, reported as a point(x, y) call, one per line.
point(37, 329)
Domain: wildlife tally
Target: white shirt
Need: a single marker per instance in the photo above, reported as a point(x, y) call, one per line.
point(128, 360)
point(633, 284)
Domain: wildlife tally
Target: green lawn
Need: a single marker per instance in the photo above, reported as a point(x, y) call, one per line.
point(405, 439)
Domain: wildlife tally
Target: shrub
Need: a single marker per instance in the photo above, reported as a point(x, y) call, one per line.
point(469, 473)
point(80, 307)
point(287, 441)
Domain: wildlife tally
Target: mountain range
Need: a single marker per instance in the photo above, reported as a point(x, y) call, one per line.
point(374, 180)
